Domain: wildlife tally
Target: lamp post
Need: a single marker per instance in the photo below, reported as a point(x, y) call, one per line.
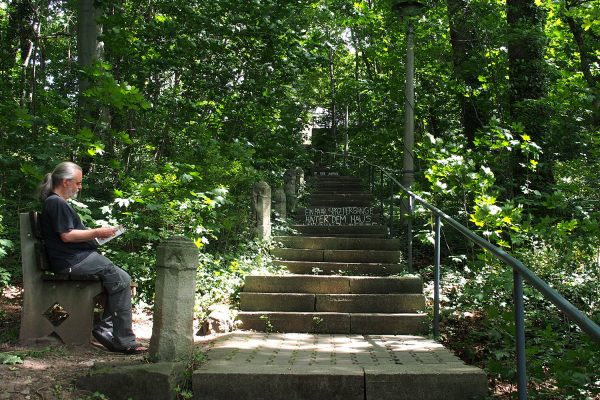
point(409, 8)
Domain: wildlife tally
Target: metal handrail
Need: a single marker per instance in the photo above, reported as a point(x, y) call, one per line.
point(520, 272)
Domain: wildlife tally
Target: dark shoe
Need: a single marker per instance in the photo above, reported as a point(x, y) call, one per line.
point(105, 339)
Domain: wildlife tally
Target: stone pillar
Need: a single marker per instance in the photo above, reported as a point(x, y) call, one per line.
point(261, 199)
point(279, 203)
point(289, 179)
point(175, 292)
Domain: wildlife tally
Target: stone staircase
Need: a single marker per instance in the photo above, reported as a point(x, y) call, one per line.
point(329, 289)
point(344, 324)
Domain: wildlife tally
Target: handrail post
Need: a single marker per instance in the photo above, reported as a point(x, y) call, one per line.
point(381, 194)
point(391, 209)
point(409, 238)
point(520, 334)
point(436, 278)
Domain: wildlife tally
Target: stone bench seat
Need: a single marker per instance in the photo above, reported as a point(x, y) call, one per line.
point(59, 306)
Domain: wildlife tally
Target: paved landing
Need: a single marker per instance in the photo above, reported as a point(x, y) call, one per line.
point(255, 365)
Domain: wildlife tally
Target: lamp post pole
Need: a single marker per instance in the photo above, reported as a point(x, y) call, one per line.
point(406, 9)
point(408, 176)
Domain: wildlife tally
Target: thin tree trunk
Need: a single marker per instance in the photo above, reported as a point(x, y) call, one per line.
point(526, 43)
point(464, 57)
point(527, 83)
point(586, 60)
point(88, 51)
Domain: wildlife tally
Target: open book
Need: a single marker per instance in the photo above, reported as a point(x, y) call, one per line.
point(120, 230)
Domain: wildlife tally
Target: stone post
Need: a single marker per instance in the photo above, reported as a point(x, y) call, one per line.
point(289, 179)
point(261, 199)
point(172, 330)
point(279, 205)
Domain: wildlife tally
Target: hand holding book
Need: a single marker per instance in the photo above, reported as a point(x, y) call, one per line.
point(118, 232)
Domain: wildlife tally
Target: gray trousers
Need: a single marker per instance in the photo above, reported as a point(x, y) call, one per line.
point(116, 318)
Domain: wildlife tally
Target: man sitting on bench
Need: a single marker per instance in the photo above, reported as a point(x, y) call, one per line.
point(71, 248)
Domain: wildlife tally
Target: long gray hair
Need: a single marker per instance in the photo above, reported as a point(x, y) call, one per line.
point(64, 170)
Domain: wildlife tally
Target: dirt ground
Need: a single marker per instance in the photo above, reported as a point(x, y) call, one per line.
point(48, 370)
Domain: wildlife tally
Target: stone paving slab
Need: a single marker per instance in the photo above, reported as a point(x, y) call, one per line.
point(256, 365)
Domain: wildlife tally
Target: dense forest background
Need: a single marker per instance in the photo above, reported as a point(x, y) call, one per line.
point(175, 108)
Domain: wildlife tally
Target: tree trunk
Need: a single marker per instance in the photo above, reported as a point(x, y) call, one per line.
point(526, 43)
point(586, 60)
point(527, 84)
point(88, 51)
point(465, 53)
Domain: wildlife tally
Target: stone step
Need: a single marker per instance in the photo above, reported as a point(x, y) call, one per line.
point(337, 184)
point(329, 185)
point(342, 230)
point(332, 322)
point(337, 203)
point(336, 178)
point(340, 190)
point(339, 303)
point(330, 268)
point(322, 284)
point(296, 366)
point(337, 243)
point(316, 210)
point(335, 189)
point(376, 256)
point(342, 197)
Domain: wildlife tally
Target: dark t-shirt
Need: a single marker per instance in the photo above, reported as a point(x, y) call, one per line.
point(59, 217)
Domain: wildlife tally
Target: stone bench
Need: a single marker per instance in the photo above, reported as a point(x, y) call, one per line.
point(54, 305)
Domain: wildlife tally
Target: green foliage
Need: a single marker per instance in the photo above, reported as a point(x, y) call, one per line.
point(268, 323)
point(5, 246)
point(10, 359)
point(220, 277)
point(17, 357)
point(486, 334)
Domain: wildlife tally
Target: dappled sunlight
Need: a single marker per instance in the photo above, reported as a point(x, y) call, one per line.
point(246, 347)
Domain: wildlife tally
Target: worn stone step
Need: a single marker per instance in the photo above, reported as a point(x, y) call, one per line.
point(394, 324)
point(433, 381)
point(330, 268)
point(336, 178)
point(322, 284)
point(324, 322)
point(251, 301)
point(297, 366)
point(329, 189)
point(339, 186)
point(340, 303)
point(376, 256)
point(336, 189)
point(337, 203)
point(389, 303)
point(341, 197)
point(342, 230)
point(337, 243)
